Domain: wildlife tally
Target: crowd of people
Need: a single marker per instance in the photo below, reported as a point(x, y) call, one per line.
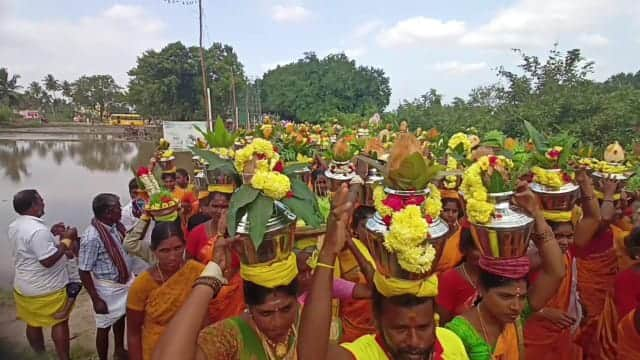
point(182, 288)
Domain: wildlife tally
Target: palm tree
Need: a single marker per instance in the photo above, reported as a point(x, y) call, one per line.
point(8, 88)
point(53, 86)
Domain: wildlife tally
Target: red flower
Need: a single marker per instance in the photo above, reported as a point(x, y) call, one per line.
point(279, 167)
point(554, 154)
point(289, 194)
point(428, 218)
point(493, 160)
point(395, 202)
point(414, 200)
point(566, 178)
point(166, 199)
point(143, 171)
point(387, 220)
point(261, 156)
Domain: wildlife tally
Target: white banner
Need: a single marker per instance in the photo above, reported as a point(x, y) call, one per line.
point(181, 134)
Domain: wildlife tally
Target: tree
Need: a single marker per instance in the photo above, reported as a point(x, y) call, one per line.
point(313, 89)
point(52, 86)
point(167, 83)
point(96, 92)
point(8, 88)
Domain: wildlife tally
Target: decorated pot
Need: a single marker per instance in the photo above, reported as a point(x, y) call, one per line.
point(200, 180)
point(303, 175)
point(218, 177)
point(339, 172)
point(155, 213)
point(507, 234)
point(598, 177)
point(363, 133)
point(386, 261)
point(168, 164)
point(278, 238)
point(563, 198)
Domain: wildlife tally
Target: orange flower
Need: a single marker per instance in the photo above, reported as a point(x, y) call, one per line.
point(433, 134)
point(530, 146)
point(510, 143)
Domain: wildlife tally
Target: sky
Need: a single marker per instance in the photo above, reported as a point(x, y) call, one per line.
point(452, 46)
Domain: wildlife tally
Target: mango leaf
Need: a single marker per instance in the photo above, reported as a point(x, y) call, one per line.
point(208, 136)
point(496, 183)
point(222, 137)
point(567, 151)
point(215, 161)
point(258, 212)
point(304, 204)
point(291, 168)
point(414, 173)
point(239, 200)
point(538, 139)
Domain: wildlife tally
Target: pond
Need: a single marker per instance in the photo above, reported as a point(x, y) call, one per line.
point(68, 174)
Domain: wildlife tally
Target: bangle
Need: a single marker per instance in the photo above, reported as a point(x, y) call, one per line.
point(323, 265)
point(209, 281)
point(540, 239)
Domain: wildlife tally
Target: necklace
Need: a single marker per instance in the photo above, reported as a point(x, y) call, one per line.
point(466, 275)
point(282, 349)
point(484, 329)
point(160, 272)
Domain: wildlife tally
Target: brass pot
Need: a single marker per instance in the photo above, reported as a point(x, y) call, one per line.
point(557, 199)
point(507, 233)
point(278, 238)
point(386, 261)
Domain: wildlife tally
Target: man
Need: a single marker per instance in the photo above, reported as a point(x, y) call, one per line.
point(405, 323)
point(40, 272)
point(183, 180)
point(131, 214)
point(104, 272)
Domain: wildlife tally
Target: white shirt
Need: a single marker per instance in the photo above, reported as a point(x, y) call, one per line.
point(33, 242)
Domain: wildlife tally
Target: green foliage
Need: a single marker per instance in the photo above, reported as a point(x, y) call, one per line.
point(238, 205)
point(6, 114)
point(414, 172)
point(167, 83)
point(258, 212)
point(220, 137)
point(96, 92)
point(304, 204)
point(216, 162)
point(316, 90)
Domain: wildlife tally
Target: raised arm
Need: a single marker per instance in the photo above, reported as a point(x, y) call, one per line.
point(588, 226)
point(608, 209)
point(133, 243)
point(313, 342)
point(552, 267)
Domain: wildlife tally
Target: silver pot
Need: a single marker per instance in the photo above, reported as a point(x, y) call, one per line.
point(200, 181)
point(557, 199)
point(507, 234)
point(386, 261)
point(373, 179)
point(278, 238)
point(598, 177)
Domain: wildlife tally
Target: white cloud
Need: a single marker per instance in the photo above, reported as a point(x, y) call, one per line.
point(289, 13)
point(106, 43)
point(270, 66)
point(355, 53)
point(458, 68)
point(540, 22)
point(419, 30)
point(593, 40)
point(366, 28)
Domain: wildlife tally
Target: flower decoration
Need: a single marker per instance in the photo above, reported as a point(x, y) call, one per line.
point(460, 139)
point(274, 184)
point(259, 149)
point(487, 175)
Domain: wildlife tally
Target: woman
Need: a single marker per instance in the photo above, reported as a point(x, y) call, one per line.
point(189, 207)
point(493, 328)
point(200, 245)
point(458, 287)
point(267, 330)
point(452, 213)
point(625, 296)
point(549, 333)
point(158, 293)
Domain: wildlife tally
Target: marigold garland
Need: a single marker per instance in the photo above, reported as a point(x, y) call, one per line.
point(479, 210)
point(460, 138)
point(267, 156)
point(433, 203)
point(273, 184)
point(549, 178)
point(224, 153)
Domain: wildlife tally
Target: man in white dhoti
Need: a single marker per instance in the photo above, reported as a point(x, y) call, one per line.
point(105, 274)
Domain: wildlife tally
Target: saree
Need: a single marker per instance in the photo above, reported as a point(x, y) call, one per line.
point(160, 302)
point(451, 255)
point(542, 339)
point(628, 338)
point(370, 347)
point(507, 347)
point(233, 339)
point(455, 293)
point(624, 259)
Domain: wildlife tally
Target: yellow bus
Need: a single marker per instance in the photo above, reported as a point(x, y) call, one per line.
point(126, 120)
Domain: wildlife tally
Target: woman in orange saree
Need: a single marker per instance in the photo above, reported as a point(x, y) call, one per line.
point(451, 213)
point(158, 293)
point(629, 336)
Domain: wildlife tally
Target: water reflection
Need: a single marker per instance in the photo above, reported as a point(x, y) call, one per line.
point(94, 155)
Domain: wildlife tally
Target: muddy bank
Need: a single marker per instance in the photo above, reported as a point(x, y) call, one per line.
point(78, 132)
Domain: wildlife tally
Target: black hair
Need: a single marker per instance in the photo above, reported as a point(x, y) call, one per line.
point(255, 294)
point(555, 224)
point(226, 196)
point(102, 203)
point(489, 281)
point(196, 220)
point(164, 230)
point(182, 172)
point(458, 204)
point(361, 213)
point(405, 301)
point(133, 185)
point(633, 238)
point(166, 175)
point(24, 200)
point(466, 240)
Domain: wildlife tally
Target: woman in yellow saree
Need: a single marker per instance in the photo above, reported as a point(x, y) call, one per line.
point(158, 293)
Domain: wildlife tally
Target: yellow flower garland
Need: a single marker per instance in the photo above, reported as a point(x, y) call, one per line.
point(223, 152)
point(460, 138)
point(548, 178)
point(479, 210)
point(257, 146)
point(406, 237)
point(273, 184)
point(378, 197)
point(433, 203)
point(451, 181)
